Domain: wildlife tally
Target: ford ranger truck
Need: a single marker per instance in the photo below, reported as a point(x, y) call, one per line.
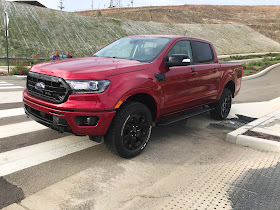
point(127, 87)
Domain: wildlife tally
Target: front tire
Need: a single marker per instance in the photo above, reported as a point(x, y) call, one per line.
point(222, 108)
point(130, 130)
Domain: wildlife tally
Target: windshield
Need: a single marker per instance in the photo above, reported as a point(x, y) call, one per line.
point(143, 49)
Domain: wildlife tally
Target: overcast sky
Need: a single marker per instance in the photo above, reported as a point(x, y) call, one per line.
point(77, 5)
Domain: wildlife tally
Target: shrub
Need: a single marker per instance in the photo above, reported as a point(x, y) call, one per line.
point(35, 60)
point(99, 14)
point(21, 68)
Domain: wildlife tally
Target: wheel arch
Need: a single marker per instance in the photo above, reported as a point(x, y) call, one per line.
point(145, 97)
point(231, 86)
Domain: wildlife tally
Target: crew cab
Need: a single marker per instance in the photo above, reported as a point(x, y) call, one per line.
point(129, 86)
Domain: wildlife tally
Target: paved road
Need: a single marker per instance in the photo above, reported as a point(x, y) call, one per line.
point(187, 164)
point(263, 88)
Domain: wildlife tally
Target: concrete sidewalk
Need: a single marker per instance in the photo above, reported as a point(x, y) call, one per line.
point(263, 133)
point(4, 69)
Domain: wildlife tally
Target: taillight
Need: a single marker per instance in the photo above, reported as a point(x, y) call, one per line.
point(242, 72)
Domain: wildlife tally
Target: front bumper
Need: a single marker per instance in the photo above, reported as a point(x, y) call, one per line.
point(64, 120)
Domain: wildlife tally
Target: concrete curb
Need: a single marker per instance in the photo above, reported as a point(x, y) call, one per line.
point(263, 72)
point(237, 136)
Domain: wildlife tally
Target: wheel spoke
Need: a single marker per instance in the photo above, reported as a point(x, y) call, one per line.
point(128, 126)
point(142, 125)
point(127, 138)
point(135, 132)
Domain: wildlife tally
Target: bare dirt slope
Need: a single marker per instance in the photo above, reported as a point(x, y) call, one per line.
point(264, 19)
point(227, 38)
point(35, 31)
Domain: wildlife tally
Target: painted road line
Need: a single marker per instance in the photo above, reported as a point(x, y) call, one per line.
point(10, 87)
point(26, 157)
point(11, 112)
point(5, 84)
point(2, 82)
point(20, 128)
point(36, 149)
point(10, 97)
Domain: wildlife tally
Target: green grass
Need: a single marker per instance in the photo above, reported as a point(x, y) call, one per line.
point(254, 67)
point(247, 72)
point(243, 57)
point(3, 63)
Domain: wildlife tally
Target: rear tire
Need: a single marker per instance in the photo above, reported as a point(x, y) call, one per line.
point(130, 130)
point(222, 108)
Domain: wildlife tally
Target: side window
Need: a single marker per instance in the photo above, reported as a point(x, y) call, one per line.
point(182, 47)
point(203, 52)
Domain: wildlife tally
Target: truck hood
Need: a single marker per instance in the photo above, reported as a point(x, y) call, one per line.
point(89, 68)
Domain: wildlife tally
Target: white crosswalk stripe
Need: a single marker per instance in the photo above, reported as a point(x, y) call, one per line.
point(10, 97)
point(11, 112)
point(25, 157)
point(10, 87)
point(19, 128)
point(6, 86)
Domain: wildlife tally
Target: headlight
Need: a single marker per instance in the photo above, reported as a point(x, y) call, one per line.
point(85, 87)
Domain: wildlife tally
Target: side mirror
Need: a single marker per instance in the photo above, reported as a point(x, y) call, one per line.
point(177, 60)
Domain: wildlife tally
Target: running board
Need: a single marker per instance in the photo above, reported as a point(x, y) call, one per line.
point(183, 116)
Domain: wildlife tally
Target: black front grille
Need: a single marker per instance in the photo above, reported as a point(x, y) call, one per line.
point(55, 88)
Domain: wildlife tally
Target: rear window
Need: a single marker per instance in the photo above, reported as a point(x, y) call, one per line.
point(203, 52)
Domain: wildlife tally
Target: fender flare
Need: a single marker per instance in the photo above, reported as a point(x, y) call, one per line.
point(145, 91)
point(229, 77)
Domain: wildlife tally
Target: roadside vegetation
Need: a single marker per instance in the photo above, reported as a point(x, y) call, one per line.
point(256, 66)
point(22, 66)
point(243, 57)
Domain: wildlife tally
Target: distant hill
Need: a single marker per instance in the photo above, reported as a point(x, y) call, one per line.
point(36, 31)
point(264, 19)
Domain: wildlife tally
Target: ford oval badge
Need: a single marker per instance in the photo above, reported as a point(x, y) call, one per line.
point(40, 86)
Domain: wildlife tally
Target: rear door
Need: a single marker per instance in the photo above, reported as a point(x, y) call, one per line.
point(181, 87)
point(208, 70)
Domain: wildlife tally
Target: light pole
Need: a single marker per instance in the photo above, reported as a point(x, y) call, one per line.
point(6, 21)
point(61, 7)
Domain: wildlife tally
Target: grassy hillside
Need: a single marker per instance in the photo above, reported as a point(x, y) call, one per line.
point(36, 31)
point(264, 19)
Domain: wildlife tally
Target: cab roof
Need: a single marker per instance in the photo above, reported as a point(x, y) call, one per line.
point(173, 37)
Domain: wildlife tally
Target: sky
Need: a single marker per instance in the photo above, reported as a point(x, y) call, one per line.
point(78, 5)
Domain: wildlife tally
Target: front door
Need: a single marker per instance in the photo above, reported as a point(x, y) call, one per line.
point(182, 86)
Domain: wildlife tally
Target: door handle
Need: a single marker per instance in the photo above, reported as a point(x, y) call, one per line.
point(194, 73)
point(215, 70)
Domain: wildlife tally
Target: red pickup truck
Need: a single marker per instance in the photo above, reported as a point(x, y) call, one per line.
point(129, 86)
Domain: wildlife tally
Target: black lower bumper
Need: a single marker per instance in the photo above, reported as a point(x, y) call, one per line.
point(59, 124)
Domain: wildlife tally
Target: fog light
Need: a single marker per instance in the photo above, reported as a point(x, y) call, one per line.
point(86, 121)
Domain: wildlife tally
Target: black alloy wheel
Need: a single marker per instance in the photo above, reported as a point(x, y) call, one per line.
point(135, 131)
point(130, 130)
point(222, 108)
point(226, 105)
